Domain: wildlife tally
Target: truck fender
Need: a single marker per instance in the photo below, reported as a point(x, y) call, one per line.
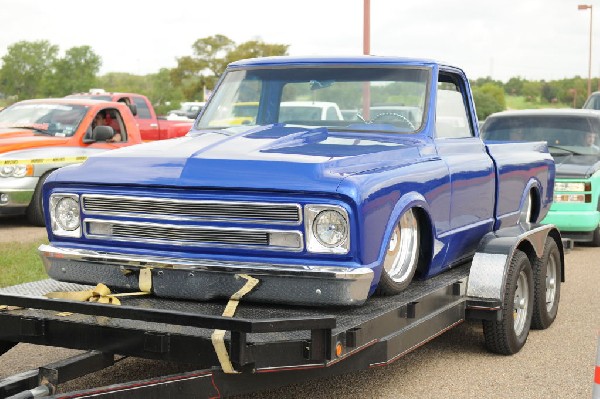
point(409, 200)
point(487, 276)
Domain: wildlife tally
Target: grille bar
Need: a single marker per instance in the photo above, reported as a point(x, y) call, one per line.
point(190, 235)
point(161, 208)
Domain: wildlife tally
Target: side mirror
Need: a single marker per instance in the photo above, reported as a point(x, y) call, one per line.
point(133, 108)
point(100, 133)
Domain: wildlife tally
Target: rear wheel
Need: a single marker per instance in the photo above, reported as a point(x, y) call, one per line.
point(547, 277)
point(508, 335)
point(402, 256)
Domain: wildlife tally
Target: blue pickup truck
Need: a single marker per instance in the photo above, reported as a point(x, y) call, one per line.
point(324, 211)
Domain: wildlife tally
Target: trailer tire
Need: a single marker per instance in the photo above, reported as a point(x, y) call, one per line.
point(507, 335)
point(402, 255)
point(35, 210)
point(547, 277)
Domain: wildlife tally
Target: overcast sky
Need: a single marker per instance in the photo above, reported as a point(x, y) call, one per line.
point(534, 39)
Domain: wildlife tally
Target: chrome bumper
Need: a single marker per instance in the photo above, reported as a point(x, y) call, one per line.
point(18, 193)
point(199, 279)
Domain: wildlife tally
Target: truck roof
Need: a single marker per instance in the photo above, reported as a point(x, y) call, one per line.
point(361, 59)
point(66, 100)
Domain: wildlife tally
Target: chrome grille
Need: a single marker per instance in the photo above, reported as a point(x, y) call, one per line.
point(161, 208)
point(194, 234)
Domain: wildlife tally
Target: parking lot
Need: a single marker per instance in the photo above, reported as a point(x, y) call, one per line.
point(558, 362)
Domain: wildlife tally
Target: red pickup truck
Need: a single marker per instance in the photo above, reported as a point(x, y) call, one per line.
point(151, 126)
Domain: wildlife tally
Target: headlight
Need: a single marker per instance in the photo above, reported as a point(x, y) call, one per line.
point(330, 228)
point(16, 170)
point(65, 215)
point(570, 186)
point(327, 229)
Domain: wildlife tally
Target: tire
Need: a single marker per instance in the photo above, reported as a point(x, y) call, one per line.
point(547, 276)
point(508, 335)
point(402, 255)
point(35, 210)
point(596, 237)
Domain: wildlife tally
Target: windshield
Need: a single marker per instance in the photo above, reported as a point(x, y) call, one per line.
point(376, 99)
point(563, 133)
point(48, 118)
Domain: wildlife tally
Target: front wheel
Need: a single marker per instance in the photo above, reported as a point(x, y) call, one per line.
point(547, 276)
point(35, 210)
point(508, 335)
point(402, 255)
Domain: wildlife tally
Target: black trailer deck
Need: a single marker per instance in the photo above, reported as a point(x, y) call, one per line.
point(260, 339)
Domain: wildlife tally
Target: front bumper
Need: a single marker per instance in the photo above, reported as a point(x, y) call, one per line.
point(573, 221)
point(18, 193)
point(207, 279)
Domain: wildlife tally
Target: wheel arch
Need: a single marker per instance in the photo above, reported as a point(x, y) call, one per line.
point(418, 202)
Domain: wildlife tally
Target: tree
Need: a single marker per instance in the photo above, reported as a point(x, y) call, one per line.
point(211, 56)
point(514, 86)
point(76, 72)
point(25, 67)
point(488, 98)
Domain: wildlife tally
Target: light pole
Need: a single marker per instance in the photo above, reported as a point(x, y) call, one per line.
point(585, 7)
point(366, 51)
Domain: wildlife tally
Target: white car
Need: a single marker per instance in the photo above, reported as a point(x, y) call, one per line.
point(297, 111)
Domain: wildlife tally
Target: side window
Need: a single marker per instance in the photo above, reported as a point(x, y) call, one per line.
point(331, 114)
point(110, 117)
point(451, 117)
point(143, 112)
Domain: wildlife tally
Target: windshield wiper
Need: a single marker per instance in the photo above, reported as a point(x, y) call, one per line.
point(37, 129)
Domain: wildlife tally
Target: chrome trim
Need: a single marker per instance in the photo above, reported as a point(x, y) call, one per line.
point(189, 228)
point(56, 229)
point(178, 202)
point(49, 251)
point(201, 279)
point(311, 211)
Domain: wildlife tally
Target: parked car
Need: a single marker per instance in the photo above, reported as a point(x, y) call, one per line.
point(40, 136)
point(150, 125)
point(326, 212)
point(309, 111)
point(593, 101)
point(572, 137)
point(188, 110)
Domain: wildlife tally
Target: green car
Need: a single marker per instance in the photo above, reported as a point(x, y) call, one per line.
point(572, 138)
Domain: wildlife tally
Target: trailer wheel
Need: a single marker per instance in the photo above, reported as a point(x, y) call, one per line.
point(547, 277)
point(402, 256)
point(508, 335)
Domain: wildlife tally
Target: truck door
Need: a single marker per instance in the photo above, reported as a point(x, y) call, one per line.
point(471, 168)
point(147, 122)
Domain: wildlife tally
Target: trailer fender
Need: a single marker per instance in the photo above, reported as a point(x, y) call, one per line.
point(487, 276)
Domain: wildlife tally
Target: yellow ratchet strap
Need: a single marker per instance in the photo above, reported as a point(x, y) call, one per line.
point(101, 294)
point(218, 336)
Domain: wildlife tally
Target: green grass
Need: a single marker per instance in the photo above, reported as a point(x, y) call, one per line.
point(20, 263)
point(518, 102)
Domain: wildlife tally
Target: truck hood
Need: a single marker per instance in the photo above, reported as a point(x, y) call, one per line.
point(578, 166)
point(275, 157)
point(18, 139)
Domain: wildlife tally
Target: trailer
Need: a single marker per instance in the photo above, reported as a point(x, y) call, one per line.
point(512, 284)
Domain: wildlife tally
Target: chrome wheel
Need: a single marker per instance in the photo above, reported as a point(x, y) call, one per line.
point(525, 212)
point(521, 303)
point(403, 250)
point(551, 282)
